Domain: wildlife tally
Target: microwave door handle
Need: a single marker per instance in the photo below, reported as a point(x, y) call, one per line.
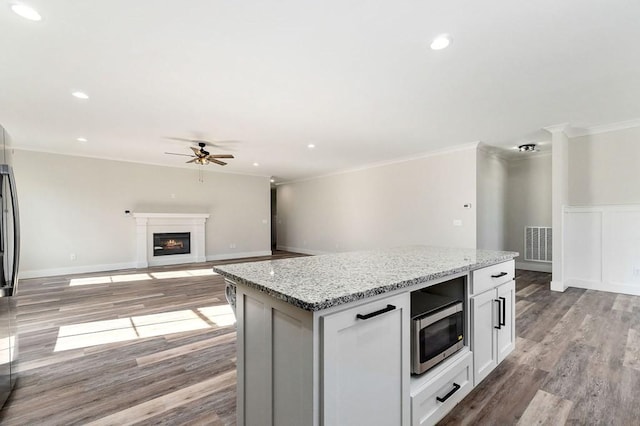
point(503, 319)
point(499, 326)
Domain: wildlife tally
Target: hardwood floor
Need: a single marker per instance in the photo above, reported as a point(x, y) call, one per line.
point(156, 346)
point(576, 362)
point(146, 347)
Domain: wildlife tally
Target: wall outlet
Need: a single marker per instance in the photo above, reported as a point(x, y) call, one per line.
point(265, 221)
point(457, 222)
point(72, 256)
point(232, 245)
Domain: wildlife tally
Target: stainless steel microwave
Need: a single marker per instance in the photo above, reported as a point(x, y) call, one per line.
point(437, 324)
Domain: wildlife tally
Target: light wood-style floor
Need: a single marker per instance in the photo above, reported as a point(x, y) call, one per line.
point(155, 346)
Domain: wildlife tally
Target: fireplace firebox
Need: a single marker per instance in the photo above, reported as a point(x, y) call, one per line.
point(171, 243)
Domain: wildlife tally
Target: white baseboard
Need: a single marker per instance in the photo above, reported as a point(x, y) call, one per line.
point(533, 266)
point(301, 250)
point(558, 286)
point(39, 273)
point(228, 256)
point(632, 289)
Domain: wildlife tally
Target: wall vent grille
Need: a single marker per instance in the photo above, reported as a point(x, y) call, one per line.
point(537, 244)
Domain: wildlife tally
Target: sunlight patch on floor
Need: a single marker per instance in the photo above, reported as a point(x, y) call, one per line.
point(94, 333)
point(183, 274)
point(141, 277)
point(108, 279)
point(221, 315)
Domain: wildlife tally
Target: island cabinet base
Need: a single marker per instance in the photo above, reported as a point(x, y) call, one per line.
point(362, 364)
point(275, 361)
point(349, 364)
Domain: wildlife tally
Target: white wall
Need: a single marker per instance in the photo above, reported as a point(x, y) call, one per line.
point(491, 200)
point(76, 205)
point(602, 233)
point(410, 202)
point(528, 203)
point(605, 168)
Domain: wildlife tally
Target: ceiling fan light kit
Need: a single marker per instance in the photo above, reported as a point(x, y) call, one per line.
point(528, 147)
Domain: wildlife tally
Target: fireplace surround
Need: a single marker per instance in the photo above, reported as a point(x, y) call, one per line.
point(148, 224)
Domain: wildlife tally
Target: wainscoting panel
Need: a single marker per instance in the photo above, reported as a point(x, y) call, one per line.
point(602, 248)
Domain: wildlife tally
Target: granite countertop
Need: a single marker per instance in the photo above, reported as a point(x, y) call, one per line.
point(318, 282)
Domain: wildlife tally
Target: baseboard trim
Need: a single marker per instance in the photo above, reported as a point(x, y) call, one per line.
point(228, 256)
point(533, 266)
point(86, 269)
point(53, 272)
point(620, 288)
point(558, 286)
point(301, 250)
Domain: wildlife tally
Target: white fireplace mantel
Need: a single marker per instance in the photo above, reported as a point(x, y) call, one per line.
point(149, 223)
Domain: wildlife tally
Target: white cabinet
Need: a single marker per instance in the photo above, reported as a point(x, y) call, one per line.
point(493, 328)
point(365, 364)
point(445, 386)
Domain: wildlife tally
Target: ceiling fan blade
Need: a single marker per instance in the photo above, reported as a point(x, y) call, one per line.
point(180, 139)
point(175, 153)
point(195, 151)
point(213, 160)
point(220, 144)
point(193, 161)
point(220, 156)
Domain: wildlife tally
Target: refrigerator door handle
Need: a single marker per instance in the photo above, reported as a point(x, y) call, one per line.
point(16, 232)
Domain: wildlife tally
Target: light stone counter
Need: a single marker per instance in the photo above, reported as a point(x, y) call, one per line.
point(318, 282)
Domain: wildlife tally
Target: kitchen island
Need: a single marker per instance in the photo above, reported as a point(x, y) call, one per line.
point(306, 356)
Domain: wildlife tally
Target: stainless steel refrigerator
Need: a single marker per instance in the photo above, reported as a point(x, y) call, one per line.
point(10, 254)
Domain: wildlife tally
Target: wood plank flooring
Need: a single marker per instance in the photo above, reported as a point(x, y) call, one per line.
point(576, 362)
point(145, 347)
point(155, 346)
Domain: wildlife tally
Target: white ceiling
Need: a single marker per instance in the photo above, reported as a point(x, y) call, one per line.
point(356, 78)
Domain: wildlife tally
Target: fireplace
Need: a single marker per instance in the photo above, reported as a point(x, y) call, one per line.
point(168, 243)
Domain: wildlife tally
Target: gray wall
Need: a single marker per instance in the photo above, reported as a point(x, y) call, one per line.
point(409, 202)
point(528, 203)
point(76, 205)
point(605, 168)
point(491, 200)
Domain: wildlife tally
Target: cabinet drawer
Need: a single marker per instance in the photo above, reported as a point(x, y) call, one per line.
point(492, 276)
point(426, 409)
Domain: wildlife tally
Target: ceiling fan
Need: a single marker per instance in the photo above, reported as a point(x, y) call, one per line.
point(202, 156)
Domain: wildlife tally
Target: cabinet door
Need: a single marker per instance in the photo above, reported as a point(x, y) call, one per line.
point(366, 364)
point(484, 309)
point(507, 332)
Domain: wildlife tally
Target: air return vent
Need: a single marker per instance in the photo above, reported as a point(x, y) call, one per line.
point(537, 243)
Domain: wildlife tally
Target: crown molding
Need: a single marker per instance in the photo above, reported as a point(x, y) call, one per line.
point(441, 151)
point(121, 160)
point(603, 128)
point(556, 128)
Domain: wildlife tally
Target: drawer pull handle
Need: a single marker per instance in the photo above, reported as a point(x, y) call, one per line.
point(451, 392)
point(373, 314)
point(501, 274)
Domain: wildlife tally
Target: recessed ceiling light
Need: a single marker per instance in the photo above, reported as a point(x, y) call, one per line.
point(81, 139)
point(256, 164)
point(27, 12)
point(273, 180)
point(311, 146)
point(441, 42)
point(80, 95)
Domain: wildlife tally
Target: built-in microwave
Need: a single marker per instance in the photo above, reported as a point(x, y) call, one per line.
point(437, 324)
